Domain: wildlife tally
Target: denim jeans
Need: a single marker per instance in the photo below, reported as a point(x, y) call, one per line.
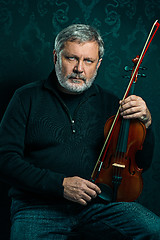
point(112, 221)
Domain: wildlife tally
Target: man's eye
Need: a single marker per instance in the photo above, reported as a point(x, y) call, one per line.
point(88, 61)
point(71, 58)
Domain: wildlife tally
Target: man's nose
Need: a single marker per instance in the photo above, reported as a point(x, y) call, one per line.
point(79, 67)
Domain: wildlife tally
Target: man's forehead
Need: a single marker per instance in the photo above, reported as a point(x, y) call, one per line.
point(80, 43)
point(75, 47)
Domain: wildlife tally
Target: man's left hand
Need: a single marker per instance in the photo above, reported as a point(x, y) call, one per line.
point(135, 107)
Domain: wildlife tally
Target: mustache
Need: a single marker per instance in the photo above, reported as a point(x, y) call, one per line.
point(77, 75)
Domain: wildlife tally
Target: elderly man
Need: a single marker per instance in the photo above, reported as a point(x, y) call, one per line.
point(51, 136)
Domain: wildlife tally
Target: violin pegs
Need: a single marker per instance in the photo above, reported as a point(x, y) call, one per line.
point(127, 69)
point(143, 68)
point(141, 75)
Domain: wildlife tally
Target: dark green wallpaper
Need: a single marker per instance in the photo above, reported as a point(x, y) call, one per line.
point(27, 32)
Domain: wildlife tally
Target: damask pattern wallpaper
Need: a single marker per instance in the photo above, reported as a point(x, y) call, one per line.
point(27, 32)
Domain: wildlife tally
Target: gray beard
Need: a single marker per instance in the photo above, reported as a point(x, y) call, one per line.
point(73, 86)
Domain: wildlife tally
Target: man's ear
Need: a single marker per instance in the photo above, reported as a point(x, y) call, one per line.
point(99, 63)
point(54, 56)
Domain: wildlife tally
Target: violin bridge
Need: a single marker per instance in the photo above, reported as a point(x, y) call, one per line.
point(118, 165)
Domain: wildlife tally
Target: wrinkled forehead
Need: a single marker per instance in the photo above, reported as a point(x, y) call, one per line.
point(88, 48)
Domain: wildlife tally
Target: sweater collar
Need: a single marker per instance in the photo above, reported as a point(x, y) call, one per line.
point(49, 84)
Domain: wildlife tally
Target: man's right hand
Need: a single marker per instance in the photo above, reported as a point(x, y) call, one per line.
point(79, 190)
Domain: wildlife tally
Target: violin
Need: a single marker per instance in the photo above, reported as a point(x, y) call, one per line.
point(116, 171)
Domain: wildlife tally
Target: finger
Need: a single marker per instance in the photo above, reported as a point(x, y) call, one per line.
point(131, 101)
point(85, 198)
point(133, 108)
point(82, 202)
point(132, 116)
point(91, 193)
point(134, 111)
point(79, 200)
point(129, 105)
point(82, 198)
point(131, 98)
point(93, 186)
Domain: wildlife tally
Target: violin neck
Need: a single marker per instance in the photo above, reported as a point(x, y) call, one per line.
point(124, 130)
point(123, 136)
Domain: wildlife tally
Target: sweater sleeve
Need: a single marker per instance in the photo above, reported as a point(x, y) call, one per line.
point(14, 169)
point(144, 156)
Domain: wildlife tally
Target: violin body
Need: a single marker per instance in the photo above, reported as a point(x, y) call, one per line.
point(119, 170)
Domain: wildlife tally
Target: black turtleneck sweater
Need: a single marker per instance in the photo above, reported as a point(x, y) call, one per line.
point(46, 136)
